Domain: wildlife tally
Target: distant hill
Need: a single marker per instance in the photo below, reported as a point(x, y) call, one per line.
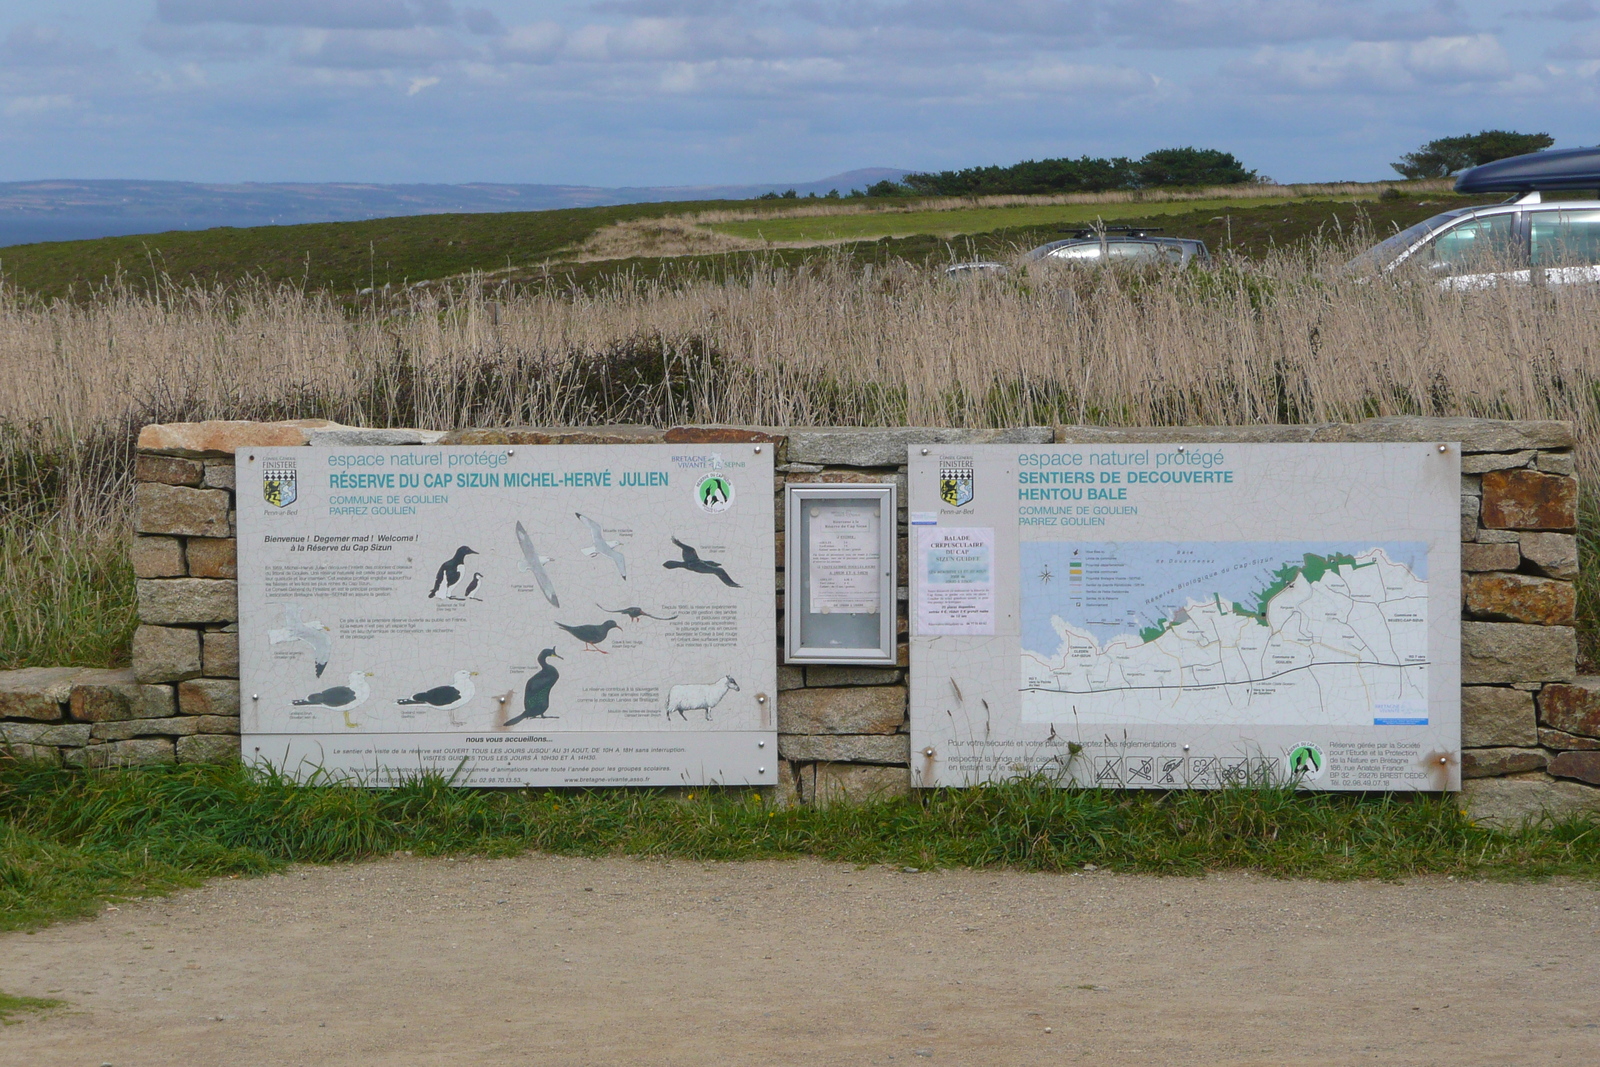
point(72, 210)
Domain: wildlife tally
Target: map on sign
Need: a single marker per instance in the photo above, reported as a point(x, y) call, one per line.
point(1203, 633)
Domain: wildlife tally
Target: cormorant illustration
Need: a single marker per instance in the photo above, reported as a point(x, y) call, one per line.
point(601, 546)
point(692, 562)
point(591, 635)
point(635, 614)
point(447, 582)
point(536, 694)
point(444, 697)
point(532, 561)
point(313, 633)
point(472, 587)
point(344, 698)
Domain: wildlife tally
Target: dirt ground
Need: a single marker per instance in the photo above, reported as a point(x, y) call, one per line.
point(614, 962)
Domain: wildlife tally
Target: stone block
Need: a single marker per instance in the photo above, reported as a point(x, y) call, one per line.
point(46, 755)
point(179, 726)
point(54, 734)
point(824, 675)
point(117, 701)
point(208, 748)
point(854, 783)
point(717, 435)
point(1556, 463)
point(1471, 485)
point(846, 748)
point(198, 440)
point(215, 724)
point(219, 654)
point(157, 557)
point(1493, 717)
point(169, 470)
point(208, 696)
point(213, 557)
point(1474, 435)
point(364, 437)
point(177, 509)
point(1499, 653)
point(1496, 762)
point(1272, 434)
point(171, 601)
point(165, 654)
point(135, 752)
point(1485, 462)
point(850, 447)
point(1520, 598)
point(220, 474)
point(855, 710)
point(1560, 742)
point(1506, 557)
point(1469, 518)
point(1508, 802)
point(1584, 766)
point(556, 435)
point(1496, 537)
point(1554, 555)
point(39, 693)
point(1529, 500)
point(790, 677)
point(1574, 708)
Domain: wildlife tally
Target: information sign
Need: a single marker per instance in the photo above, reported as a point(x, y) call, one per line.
point(1164, 616)
point(543, 616)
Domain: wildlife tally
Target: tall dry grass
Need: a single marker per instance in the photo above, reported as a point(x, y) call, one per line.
point(1289, 339)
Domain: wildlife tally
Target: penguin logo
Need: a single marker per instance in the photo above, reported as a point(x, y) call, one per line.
point(1306, 763)
point(714, 494)
point(278, 482)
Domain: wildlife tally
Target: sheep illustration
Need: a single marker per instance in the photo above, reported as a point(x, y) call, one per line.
point(683, 698)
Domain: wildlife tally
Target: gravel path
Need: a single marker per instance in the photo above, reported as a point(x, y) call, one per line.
point(543, 960)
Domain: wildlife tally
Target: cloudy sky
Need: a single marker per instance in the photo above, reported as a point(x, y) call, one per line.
point(666, 92)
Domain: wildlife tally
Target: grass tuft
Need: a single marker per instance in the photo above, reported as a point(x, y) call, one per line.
point(71, 841)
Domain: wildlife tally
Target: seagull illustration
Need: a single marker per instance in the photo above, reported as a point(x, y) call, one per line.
point(532, 561)
point(636, 614)
point(536, 694)
point(345, 698)
point(313, 634)
point(591, 635)
point(601, 546)
point(445, 697)
point(692, 562)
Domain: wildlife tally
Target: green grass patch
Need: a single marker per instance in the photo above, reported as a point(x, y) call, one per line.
point(10, 1006)
point(71, 599)
point(69, 842)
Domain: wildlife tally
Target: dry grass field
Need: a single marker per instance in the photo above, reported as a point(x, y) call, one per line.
point(1285, 338)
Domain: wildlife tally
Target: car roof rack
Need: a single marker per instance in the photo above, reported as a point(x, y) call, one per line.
point(1562, 168)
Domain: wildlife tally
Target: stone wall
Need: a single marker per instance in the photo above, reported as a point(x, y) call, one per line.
point(1530, 725)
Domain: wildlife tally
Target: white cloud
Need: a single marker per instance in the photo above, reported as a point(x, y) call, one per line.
point(310, 14)
point(1379, 66)
point(419, 84)
point(380, 49)
point(20, 106)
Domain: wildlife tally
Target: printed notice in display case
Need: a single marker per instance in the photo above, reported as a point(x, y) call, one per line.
point(840, 568)
point(844, 559)
point(528, 616)
point(956, 591)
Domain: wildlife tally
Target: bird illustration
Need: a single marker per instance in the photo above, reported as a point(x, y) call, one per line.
point(313, 633)
point(692, 562)
point(592, 634)
point(344, 698)
point(444, 697)
point(635, 614)
point(532, 561)
point(601, 546)
point(536, 694)
point(448, 580)
point(472, 587)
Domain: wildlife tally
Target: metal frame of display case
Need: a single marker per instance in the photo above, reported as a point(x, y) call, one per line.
point(804, 631)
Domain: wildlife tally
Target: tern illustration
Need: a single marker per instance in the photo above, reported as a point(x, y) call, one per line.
point(601, 546)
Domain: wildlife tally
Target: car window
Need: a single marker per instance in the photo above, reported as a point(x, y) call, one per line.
point(1481, 245)
point(1083, 251)
point(1384, 252)
point(1565, 237)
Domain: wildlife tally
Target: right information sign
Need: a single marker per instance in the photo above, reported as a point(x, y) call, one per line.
point(1173, 616)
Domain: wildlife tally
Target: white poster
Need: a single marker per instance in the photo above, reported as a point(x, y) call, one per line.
point(955, 594)
point(844, 565)
point(1169, 616)
point(554, 615)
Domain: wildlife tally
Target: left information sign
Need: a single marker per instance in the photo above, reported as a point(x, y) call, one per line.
point(513, 616)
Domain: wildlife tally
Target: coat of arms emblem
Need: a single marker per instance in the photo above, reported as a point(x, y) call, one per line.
point(278, 482)
point(955, 481)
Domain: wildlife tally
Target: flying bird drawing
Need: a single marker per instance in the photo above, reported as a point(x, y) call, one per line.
point(635, 614)
point(692, 562)
point(532, 561)
point(536, 694)
point(601, 546)
point(591, 635)
point(313, 634)
point(449, 582)
point(344, 698)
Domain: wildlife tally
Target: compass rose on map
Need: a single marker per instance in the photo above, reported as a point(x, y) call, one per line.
point(1045, 575)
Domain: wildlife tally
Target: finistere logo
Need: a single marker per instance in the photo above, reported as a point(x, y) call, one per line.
point(955, 480)
point(714, 494)
point(278, 482)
